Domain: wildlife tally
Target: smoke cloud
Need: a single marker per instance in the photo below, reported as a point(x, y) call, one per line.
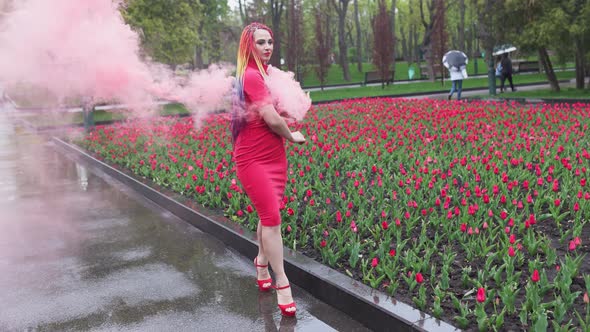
point(83, 50)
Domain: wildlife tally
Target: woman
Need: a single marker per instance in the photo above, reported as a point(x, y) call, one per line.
point(457, 77)
point(506, 72)
point(259, 152)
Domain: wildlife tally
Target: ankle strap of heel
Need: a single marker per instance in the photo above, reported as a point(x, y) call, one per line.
point(258, 265)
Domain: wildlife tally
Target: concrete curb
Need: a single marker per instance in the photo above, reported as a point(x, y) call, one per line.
point(374, 309)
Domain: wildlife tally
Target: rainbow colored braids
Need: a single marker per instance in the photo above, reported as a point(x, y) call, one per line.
point(246, 52)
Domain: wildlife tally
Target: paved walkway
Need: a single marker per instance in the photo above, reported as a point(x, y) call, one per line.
point(79, 251)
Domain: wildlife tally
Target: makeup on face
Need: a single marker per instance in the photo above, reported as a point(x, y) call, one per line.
point(263, 44)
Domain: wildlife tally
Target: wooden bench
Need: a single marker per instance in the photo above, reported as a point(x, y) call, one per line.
point(526, 66)
point(375, 77)
point(424, 71)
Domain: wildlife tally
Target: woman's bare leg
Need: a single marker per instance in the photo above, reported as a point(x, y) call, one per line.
point(273, 248)
point(261, 273)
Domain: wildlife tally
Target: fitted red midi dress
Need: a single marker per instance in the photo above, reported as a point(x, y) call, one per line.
point(259, 153)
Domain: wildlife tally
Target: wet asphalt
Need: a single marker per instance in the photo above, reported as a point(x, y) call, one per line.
point(81, 252)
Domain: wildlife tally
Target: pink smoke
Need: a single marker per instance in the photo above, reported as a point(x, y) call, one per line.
point(73, 48)
point(82, 49)
point(287, 93)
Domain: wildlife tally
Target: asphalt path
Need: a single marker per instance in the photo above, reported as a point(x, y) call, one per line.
point(81, 252)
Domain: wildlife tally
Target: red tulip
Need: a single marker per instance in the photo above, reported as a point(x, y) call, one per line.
point(419, 278)
point(511, 252)
point(535, 276)
point(572, 245)
point(512, 238)
point(374, 262)
point(481, 295)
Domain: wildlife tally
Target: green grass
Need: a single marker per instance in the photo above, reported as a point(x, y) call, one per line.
point(61, 119)
point(549, 94)
point(422, 87)
point(401, 73)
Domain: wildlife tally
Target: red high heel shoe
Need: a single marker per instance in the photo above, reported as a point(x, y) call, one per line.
point(263, 285)
point(284, 307)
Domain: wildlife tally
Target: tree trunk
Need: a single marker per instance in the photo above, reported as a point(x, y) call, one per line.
point(394, 39)
point(548, 67)
point(580, 68)
point(198, 60)
point(341, 9)
point(357, 23)
point(243, 11)
point(343, 49)
point(276, 8)
point(461, 40)
point(403, 40)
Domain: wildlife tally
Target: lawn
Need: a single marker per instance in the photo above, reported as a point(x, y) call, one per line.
point(61, 118)
point(476, 212)
point(401, 72)
point(566, 93)
point(423, 87)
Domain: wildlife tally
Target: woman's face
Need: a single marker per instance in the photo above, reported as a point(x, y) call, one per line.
point(263, 44)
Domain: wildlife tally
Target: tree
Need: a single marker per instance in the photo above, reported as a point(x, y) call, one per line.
point(168, 31)
point(276, 12)
point(357, 24)
point(428, 35)
point(383, 45)
point(341, 8)
point(439, 42)
point(534, 33)
point(461, 27)
point(393, 12)
point(210, 30)
point(295, 41)
point(577, 14)
point(323, 46)
point(490, 18)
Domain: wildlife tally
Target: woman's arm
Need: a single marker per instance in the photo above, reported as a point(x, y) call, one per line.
point(278, 125)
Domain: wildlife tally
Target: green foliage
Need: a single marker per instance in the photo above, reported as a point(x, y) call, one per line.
point(168, 28)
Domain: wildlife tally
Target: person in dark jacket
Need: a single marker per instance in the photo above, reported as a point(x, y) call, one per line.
point(506, 72)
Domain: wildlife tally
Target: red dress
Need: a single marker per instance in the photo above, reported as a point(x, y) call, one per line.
point(259, 153)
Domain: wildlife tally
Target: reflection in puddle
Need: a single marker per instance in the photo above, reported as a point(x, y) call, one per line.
point(82, 176)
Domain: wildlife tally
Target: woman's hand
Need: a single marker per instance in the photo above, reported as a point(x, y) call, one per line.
point(297, 137)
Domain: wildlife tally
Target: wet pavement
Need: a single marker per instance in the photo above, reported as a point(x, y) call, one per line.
point(79, 251)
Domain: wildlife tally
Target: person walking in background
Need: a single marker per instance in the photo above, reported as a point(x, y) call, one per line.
point(499, 67)
point(457, 77)
point(506, 64)
point(258, 133)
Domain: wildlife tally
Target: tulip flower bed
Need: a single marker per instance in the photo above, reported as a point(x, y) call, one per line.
point(474, 212)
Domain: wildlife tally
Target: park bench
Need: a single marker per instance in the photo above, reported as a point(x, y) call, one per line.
point(527, 66)
point(375, 77)
point(424, 71)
